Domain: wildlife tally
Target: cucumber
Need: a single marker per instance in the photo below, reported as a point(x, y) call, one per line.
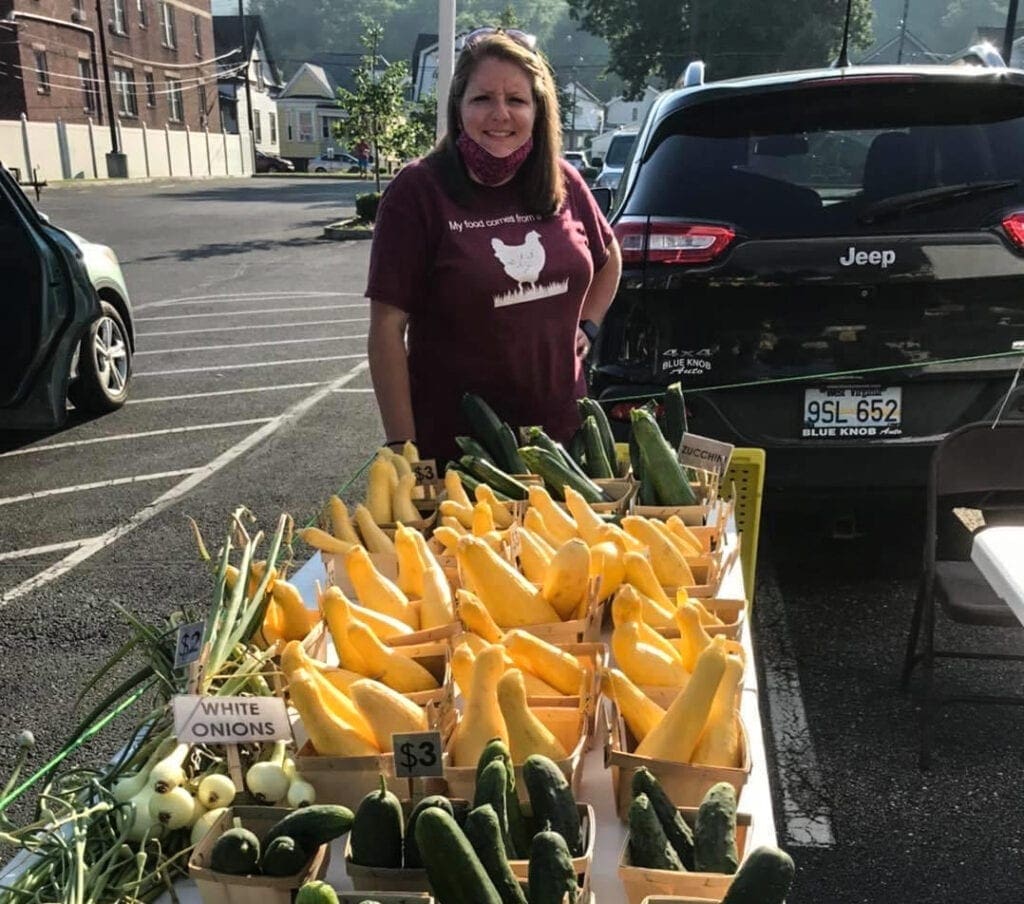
point(411, 858)
point(660, 463)
point(455, 872)
point(313, 826)
point(649, 847)
point(764, 878)
point(236, 852)
point(316, 892)
point(537, 437)
point(497, 749)
point(484, 835)
point(714, 832)
point(552, 801)
point(557, 476)
point(675, 415)
point(592, 408)
point(377, 830)
point(497, 479)
point(598, 465)
point(492, 788)
point(470, 446)
point(552, 879)
point(679, 834)
point(284, 856)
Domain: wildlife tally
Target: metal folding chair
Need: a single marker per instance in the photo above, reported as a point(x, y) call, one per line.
point(982, 466)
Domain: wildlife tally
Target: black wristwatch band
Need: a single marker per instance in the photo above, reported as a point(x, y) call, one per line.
point(589, 329)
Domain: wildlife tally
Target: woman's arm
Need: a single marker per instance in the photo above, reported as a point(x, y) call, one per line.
point(389, 370)
point(600, 294)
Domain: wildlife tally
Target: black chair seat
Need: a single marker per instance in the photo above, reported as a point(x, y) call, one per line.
point(968, 598)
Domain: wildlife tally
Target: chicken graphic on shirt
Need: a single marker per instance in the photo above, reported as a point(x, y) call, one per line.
point(522, 262)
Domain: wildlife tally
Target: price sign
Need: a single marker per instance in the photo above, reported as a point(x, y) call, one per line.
point(705, 453)
point(425, 471)
point(417, 754)
point(189, 644)
point(229, 720)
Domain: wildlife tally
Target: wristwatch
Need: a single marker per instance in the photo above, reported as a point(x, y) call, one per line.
point(589, 330)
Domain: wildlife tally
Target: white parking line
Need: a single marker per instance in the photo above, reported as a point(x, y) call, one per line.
point(121, 436)
point(251, 326)
point(220, 367)
point(355, 389)
point(806, 812)
point(165, 302)
point(93, 546)
point(30, 552)
point(222, 392)
point(322, 307)
point(213, 348)
point(96, 485)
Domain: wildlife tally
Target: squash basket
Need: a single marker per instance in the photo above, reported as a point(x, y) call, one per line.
point(582, 864)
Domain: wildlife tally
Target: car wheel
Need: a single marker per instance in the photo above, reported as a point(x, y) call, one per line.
point(104, 364)
point(319, 169)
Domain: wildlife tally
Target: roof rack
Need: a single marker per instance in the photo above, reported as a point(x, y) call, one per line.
point(983, 54)
point(692, 76)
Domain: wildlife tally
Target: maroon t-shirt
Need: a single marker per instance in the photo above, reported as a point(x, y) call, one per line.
point(493, 295)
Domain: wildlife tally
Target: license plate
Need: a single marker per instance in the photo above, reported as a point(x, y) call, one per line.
point(850, 412)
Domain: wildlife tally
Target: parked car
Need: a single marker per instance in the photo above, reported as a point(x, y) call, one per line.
point(272, 163)
point(71, 334)
point(831, 261)
point(338, 163)
point(615, 159)
point(577, 158)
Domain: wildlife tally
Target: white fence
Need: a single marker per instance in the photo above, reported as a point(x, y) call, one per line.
point(57, 150)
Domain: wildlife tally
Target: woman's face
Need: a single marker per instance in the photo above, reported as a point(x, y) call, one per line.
point(498, 109)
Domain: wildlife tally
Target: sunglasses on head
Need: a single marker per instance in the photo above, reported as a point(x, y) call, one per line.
point(522, 38)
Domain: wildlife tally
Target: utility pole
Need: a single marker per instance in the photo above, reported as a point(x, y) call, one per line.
point(247, 56)
point(903, 31)
point(1011, 27)
point(445, 60)
point(572, 125)
point(117, 163)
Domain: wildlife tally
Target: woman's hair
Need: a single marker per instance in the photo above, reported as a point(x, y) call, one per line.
point(543, 183)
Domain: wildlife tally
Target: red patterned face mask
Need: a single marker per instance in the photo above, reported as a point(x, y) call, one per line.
point(491, 170)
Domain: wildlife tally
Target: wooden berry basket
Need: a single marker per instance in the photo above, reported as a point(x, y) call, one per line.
point(385, 897)
point(223, 888)
point(641, 883)
point(731, 612)
point(582, 864)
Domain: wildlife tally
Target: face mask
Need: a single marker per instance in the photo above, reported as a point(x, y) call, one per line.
point(491, 170)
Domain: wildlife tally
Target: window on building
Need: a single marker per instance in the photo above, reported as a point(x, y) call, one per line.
point(636, 114)
point(124, 92)
point(77, 11)
point(176, 101)
point(305, 125)
point(120, 17)
point(257, 126)
point(142, 13)
point(290, 133)
point(42, 72)
point(197, 34)
point(167, 35)
point(203, 113)
point(261, 81)
point(272, 120)
point(89, 93)
point(150, 90)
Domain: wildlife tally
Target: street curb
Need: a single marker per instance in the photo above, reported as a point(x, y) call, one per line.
point(340, 232)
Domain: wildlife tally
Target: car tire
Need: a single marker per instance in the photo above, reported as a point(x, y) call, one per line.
point(319, 169)
point(104, 365)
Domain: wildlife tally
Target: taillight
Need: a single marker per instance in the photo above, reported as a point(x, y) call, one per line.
point(662, 242)
point(621, 411)
point(1014, 226)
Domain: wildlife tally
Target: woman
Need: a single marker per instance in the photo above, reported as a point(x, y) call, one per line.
point(491, 252)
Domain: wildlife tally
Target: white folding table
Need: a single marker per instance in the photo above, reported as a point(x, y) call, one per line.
point(999, 554)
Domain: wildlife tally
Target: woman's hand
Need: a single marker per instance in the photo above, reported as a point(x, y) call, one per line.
point(582, 344)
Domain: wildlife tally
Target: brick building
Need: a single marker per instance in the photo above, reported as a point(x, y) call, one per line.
point(159, 53)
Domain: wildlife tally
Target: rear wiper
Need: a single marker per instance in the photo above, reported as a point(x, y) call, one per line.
point(931, 197)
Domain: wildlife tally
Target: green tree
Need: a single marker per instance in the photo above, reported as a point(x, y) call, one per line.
point(652, 41)
point(376, 108)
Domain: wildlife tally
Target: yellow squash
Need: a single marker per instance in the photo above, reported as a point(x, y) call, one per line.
point(341, 524)
point(410, 563)
point(499, 511)
point(395, 670)
point(669, 566)
point(402, 508)
point(693, 639)
point(330, 735)
point(556, 667)
point(640, 712)
point(387, 711)
point(565, 582)
point(294, 656)
point(449, 538)
point(681, 530)
point(628, 606)
point(449, 508)
point(409, 451)
point(378, 489)
point(588, 523)
point(510, 598)
point(681, 546)
point(719, 743)
point(481, 717)
point(643, 663)
point(640, 574)
point(534, 521)
point(374, 539)
point(297, 621)
point(560, 526)
point(427, 557)
point(483, 520)
point(527, 735)
point(476, 618)
point(436, 606)
point(337, 611)
point(374, 591)
point(463, 658)
point(456, 491)
point(384, 626)
point(534, 556)
point(606, 563)
point(325, 542)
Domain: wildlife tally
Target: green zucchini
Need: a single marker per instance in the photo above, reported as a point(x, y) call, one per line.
point(377, 830)
point(537, 437)
point(636, 461)
point(236, 851)
point(455, 872)
point(491, 788)
point(284, 856)
point(484, 835)
point(557, 476)
point(497, 749)
point(714, 832)
point(592, 408)
point(497, 479)
point(675, 415)
point(552, 878)
point(510, 445)
point(552, 801)
point(765, 877)
point(316, 892)
point(313, 826)
point(598, 465)
point(660, 463)
point(577, 449)
point(678, 832)
point(649, 847)
point(484, 425)
point(470, 446)
point(411, 853)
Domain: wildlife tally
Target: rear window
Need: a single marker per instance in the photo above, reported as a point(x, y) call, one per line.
point(851, 159)
point(618, 150)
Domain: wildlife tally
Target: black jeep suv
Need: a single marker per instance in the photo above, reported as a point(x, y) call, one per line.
point(830, 261)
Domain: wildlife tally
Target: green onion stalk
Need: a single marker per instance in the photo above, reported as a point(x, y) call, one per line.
point(80, 846)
